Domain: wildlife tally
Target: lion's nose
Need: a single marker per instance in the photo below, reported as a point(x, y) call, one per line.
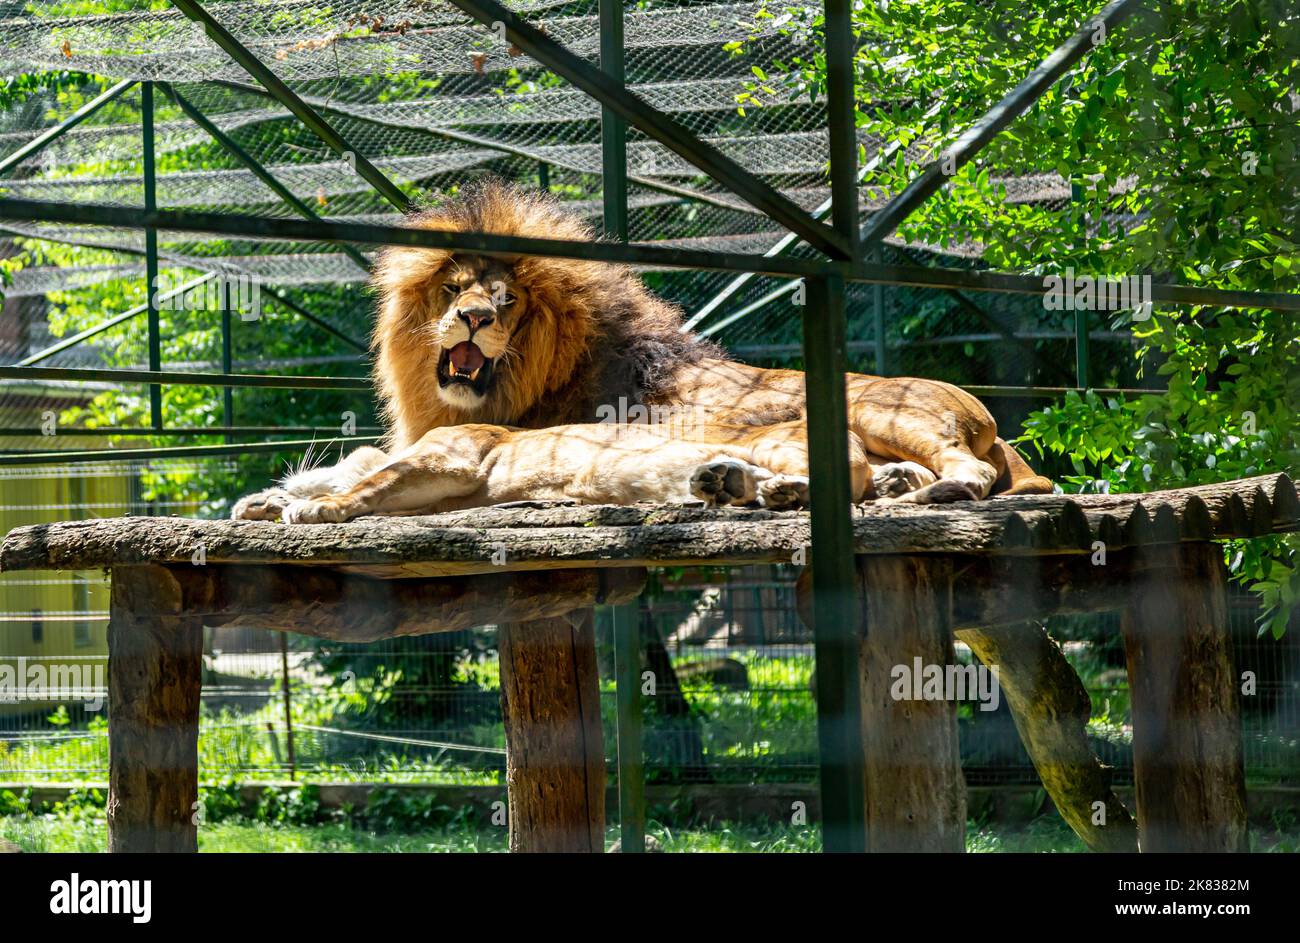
point(477, 317)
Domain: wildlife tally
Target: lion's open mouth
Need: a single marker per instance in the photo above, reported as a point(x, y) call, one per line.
point(465, 364)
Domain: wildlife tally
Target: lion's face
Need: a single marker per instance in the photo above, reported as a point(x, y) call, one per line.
point(476, 306)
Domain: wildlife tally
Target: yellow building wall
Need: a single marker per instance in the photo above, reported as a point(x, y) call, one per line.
point(47, 614)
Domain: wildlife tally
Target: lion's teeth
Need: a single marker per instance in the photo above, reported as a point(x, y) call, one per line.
point(474, 375)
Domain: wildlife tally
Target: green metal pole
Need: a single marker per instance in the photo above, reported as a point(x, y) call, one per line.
point(227, 360)
point(836, 615)
point(180, 451)
point(631, 771)
point(544, 176)
point(878, 318)
point(613, 130)
point(151, 253)
point(183, 378)
point(495, 244)
point(67, 124)
point(324, 325)
point(1081, 352)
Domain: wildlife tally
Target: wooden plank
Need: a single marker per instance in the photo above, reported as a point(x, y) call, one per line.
point(325, 603)
point(1187, 759)
point(154, 669)
point(555, 755)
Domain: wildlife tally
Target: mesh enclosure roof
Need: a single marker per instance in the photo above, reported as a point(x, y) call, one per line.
point(432, 99)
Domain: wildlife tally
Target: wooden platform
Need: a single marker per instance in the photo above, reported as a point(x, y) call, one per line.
point(984, 573)
point(508, 539)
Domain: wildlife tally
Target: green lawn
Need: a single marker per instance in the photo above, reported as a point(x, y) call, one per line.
point(86, 833)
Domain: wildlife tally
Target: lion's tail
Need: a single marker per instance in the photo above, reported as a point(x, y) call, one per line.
point(1014, 474)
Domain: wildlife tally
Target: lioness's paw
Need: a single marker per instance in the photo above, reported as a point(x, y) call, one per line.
point(261, 505)
point(315, 511)
point(724, 481)
point(899, 478)
point(784, 492)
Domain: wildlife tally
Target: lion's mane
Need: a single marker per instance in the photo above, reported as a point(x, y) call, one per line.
point(591, 333)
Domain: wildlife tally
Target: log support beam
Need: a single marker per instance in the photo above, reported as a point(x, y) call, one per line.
point(915, 791)
point(1187, 759)
point(555, 754)
point(154, 669)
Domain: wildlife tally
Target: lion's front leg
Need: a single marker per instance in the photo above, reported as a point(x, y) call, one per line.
point(269, 505)
point(413, 485)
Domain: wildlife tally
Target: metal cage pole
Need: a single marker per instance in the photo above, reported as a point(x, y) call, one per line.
point(227, 358)
point(624, 618)
point(151, 252)
point(613, 130)
point(836, 615)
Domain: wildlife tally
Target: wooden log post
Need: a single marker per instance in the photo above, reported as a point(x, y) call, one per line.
point(155, 654)
point(555, 754)
point(916, 794)
point(1187, 760)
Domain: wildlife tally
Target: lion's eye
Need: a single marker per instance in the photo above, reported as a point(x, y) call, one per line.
point(506, 300)
point(450, 289)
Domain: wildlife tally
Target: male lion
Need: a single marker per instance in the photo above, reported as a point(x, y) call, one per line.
point(538, 342)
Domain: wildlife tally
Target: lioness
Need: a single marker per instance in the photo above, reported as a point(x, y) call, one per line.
point(536, 342)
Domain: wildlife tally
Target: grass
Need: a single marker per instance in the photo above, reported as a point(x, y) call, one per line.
point(80, 832)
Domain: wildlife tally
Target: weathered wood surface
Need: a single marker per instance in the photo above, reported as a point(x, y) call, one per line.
point(1187, 761)
point(154, 671)
point(508, 539)
point(324, 603)
point(555, 754)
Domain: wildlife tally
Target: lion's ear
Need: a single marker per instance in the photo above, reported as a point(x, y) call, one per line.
point(402, 270)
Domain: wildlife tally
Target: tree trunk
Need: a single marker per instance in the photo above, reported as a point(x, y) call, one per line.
point(154, 668)
point(1187, 762)
point(555, 755)
point(1051, 708)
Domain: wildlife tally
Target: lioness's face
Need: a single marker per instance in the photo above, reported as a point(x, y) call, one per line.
point(481, 305)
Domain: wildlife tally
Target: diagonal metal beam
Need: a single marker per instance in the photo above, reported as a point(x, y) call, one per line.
point(253, 165)
point(179, 262)
point(495, 244)
point(103, 326)
point(632, 109)
point(462, 137)
point(1012, 106)
point(790, 240)
point(63, 127)
point(301, 110)
point(324, 325)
